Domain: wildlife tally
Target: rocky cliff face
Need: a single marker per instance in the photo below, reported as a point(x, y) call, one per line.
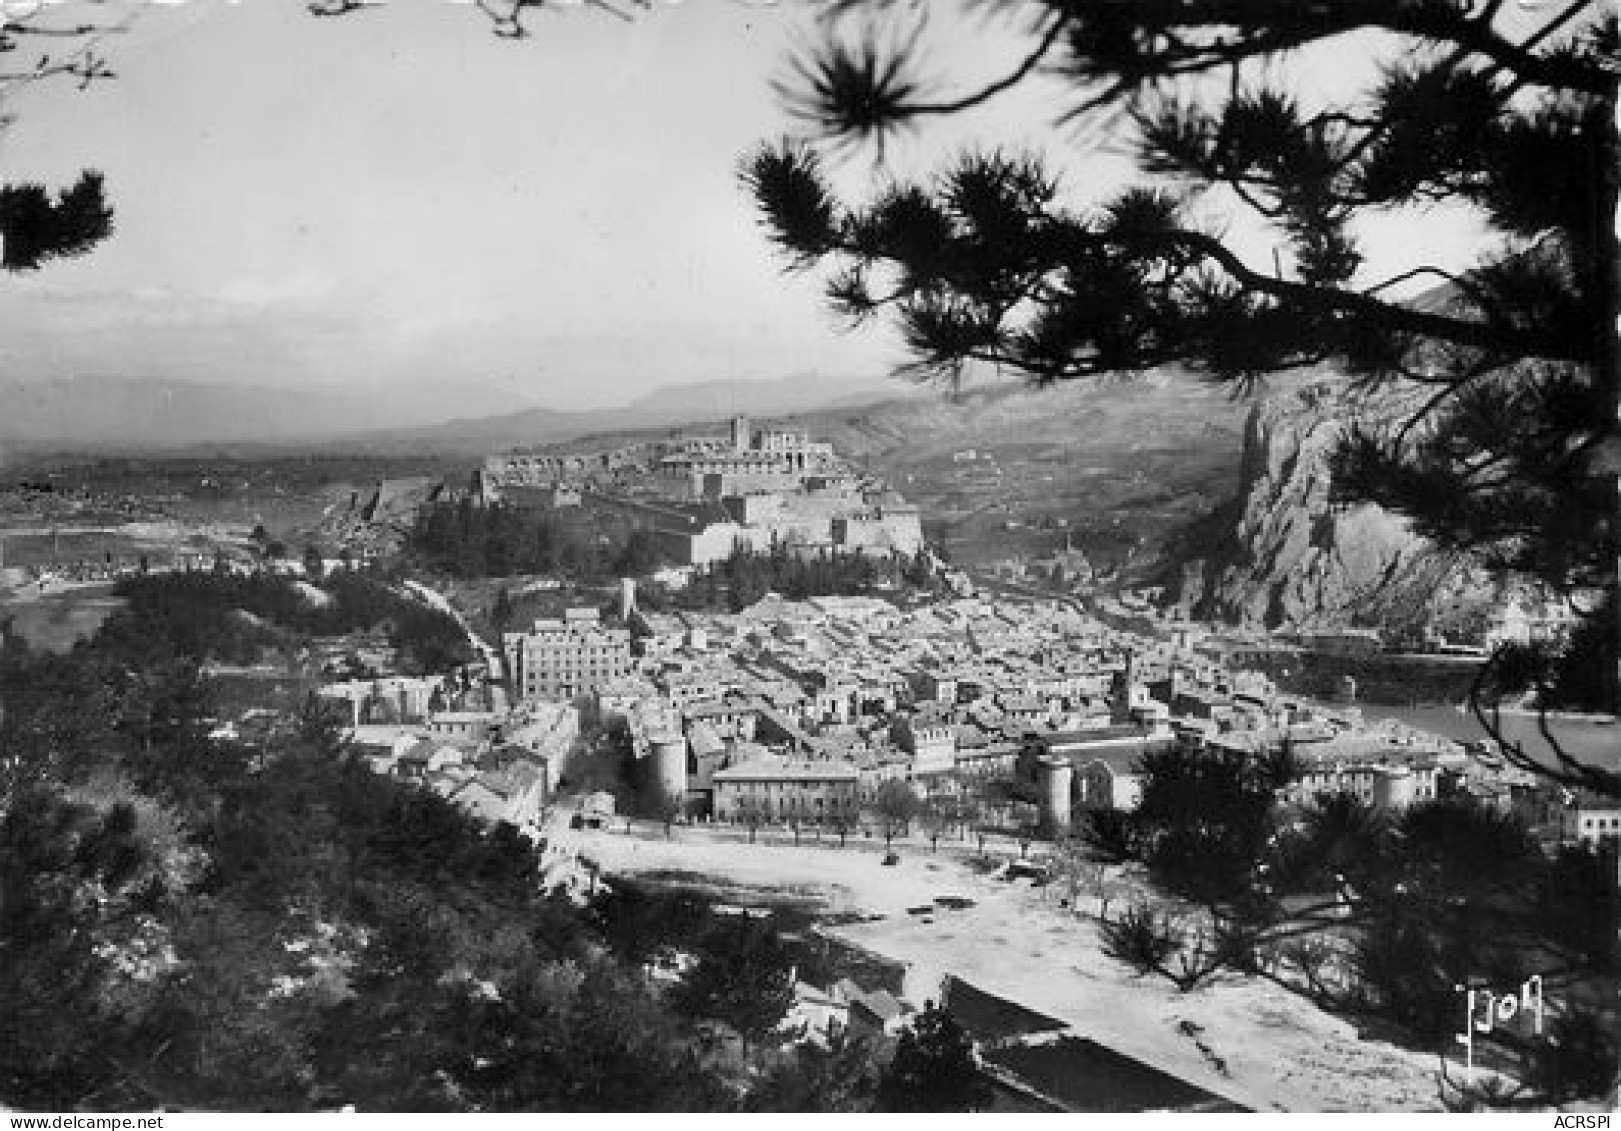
point(1283, 555)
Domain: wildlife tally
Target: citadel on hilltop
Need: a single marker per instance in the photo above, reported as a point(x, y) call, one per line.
point(705, 497)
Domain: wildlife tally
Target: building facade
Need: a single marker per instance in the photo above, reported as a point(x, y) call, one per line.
point(1591, 819)
point(567, 658)
point(777, 789)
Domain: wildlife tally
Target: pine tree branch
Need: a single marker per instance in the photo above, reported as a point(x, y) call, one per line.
point(1076, 244)
point(990, 90)
point(1391, 316)
point(1568, 770)
point(1572, 10)
point(1270, 27)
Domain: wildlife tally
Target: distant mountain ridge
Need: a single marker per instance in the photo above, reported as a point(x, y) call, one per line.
point(667, 407)
point(798, 392)
point(134, 416)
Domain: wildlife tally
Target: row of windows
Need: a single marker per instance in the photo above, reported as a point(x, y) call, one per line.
point(564, 690)
point(794, 800)
point(578, 667)
point(602, 667)
point(790, 805)
point(1358, 776)
point(1362, 789)
point(615, 671)
point(536, 656)
point(576, 661)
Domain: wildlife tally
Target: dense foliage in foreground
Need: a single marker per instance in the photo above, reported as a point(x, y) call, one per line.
point(1376, 914)
point(183, 926)
point(223, 616)
point(466, 540)
point(192, 924)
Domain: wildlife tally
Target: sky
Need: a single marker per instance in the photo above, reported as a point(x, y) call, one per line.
point(400, 200)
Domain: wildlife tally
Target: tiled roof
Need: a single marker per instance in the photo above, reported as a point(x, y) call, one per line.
point(774, 769)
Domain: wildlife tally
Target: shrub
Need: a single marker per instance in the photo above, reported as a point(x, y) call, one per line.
point(1142, 938)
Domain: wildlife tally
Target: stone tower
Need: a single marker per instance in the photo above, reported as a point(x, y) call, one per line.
point(670, 766)
point(1054, 780)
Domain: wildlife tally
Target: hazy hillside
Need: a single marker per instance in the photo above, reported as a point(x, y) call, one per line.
point(1113, 465)
point(106, 413)
point(661, 409)
point(1108, 467)
point(138, 416)
point(799, 392)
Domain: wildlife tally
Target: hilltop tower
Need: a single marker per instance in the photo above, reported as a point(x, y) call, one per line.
point(740, 433)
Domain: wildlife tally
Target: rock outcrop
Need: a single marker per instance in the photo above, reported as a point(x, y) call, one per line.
point(1283, 554)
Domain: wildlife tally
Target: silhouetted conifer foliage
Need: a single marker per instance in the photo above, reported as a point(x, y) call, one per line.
point(202, 616)
point(933, 1068)
point(838, 1076)
point(36, 228)
point(1376, 914)
point(187, 923)
point(1507, 370)
point(744, 978)
point(1204, 821)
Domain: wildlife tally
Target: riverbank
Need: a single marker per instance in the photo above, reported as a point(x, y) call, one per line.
point(1595, 739)
point(1384, 678)
point(1244, 1039)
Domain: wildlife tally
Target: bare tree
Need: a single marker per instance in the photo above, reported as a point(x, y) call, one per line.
point(670, 810)
point(897, 805)
point(935, 817)
point(751, 811)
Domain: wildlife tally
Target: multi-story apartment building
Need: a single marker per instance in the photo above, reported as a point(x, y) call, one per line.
point(1388, 782)
point(562, 659)
point(778, 789)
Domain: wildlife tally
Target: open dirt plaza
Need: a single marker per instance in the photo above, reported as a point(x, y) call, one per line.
point(1243, 1038)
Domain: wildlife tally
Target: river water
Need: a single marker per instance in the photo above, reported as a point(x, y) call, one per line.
point(1588, 739)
